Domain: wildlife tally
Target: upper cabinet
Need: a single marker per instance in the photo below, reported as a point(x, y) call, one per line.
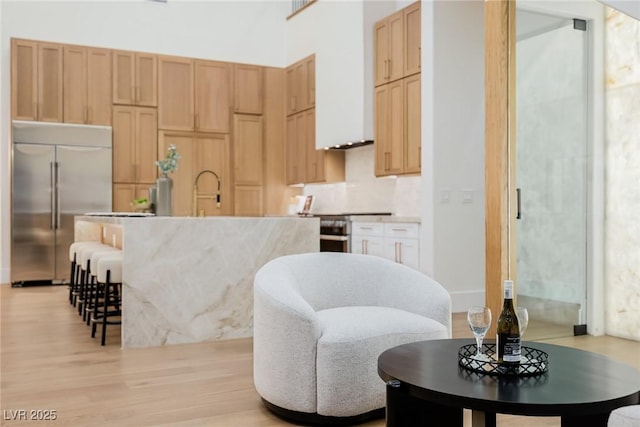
point(212, 96)
point(301, 85)
point(135, 144)
point(194, 95)
point(412, 39)
point(247, 89)
point(87, 85)
point(397, 45)
point(389, 42)
point(135, 78)
point(176, 93)
point(36, 76)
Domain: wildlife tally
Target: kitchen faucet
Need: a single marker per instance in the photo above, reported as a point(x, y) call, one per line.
point(211, 196)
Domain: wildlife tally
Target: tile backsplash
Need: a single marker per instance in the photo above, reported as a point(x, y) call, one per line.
point(362, 191)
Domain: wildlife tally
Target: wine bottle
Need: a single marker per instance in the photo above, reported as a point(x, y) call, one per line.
point(508, 330)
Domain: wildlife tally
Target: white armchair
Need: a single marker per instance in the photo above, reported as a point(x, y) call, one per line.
point(322, 319)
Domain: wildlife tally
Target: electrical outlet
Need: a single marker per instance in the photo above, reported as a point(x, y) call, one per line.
point(467, 196)
point(445, 196)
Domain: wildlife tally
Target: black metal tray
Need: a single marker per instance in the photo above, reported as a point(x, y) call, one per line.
point(532, 361)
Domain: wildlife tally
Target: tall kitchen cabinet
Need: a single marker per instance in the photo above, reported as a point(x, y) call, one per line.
point(397, 93)
point(135, 145)
point(248, 160)
point(200, 152)
point(36, 81)
point(304, 163)
point(87, 85)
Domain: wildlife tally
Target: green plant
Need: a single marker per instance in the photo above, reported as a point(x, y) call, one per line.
point(170, 163)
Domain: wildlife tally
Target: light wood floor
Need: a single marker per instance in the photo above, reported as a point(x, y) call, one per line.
point(49, 362)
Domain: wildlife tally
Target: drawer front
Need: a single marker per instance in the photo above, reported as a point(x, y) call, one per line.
point(402, 230)
point(367, 229)
point(403, 251)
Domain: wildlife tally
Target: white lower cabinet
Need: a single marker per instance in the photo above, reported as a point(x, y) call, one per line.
point(396, 241)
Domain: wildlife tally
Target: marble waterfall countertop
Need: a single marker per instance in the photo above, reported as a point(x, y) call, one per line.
point(188, 279)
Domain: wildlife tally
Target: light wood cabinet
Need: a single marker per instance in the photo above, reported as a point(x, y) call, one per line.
point(200, 152)
point(248, 200)
point(194, 95)
point(413, 128)
point(125, 194)
point(301, 85)
point(412, 39)
point(389, 129)
point(135, 144)
point(305, 164)
point(247, 149)
point(36, 81)
point(212, 96)
point(248, 89)
point(175, 93)
point(135, 78)
point(389, 45)
point(87, 85)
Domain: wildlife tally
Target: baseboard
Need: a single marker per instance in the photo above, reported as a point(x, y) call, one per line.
point(461, 301)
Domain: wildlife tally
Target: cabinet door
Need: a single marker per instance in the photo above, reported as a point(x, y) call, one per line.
point(146, 144)
point(381, 107)
point(291, 90)
point(301, 91)
point(247, 149)
point(381, 54)
point(24, 79)
point(124, 139)
point(124, 73)
point(310, 66)
point(403, 251)
point(247, 89)
point(213, 96)
point(395, 68)
point(292, 151)
point(123, 195)
point(412, 39)
point(413, 136)
point(146, 79)
point(99, 86)
point(395, 155)
point(315, 159)
point(175, 103)
point(248, 200)
point(183, 177)
point(213, 155)
point(49, 82)
point(75, 84)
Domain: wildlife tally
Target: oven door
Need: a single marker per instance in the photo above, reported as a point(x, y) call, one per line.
point(334, 243)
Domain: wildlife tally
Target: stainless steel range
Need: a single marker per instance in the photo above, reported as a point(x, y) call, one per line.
point(335, 231)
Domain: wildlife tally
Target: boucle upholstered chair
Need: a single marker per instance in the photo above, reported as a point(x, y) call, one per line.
point(320, 322)
point(626, 416)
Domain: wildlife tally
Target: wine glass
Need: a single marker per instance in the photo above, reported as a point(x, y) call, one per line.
point(523, 319)
point(479, 319)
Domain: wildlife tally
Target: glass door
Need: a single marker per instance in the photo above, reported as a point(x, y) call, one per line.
point(552, 161)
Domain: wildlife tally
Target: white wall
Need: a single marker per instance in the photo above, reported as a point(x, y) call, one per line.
point(235, 31)
point(452, 246)
point(338, 32)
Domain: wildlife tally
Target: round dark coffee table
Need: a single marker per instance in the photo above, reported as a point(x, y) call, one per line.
point(426, 386)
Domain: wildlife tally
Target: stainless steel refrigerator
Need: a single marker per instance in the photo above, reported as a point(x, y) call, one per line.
point(59, 171)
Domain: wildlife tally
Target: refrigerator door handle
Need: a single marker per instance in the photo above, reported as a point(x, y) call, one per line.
point(52, 195)
point(57, 176)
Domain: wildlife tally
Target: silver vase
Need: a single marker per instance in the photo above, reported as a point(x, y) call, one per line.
point(164, 188)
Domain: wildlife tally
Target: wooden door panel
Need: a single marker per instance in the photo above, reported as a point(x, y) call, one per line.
point(75, 84)
point(381, 41)
point(99, 86)
point(176, 87)
point(395, 159)
point(248, 200)
point(396, 47)
point(24, 80)
point(123, 77)
point(413, 136)
point(412, 39)
point(146, 144)
point(212, 96)
point(248, 149)
point(49, 82)
point(124, 157)
point(146, 79)
point(247, 89)
point(123, 195)
point(381, 145)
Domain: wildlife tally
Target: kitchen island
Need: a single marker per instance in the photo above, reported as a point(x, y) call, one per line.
point(188, 279)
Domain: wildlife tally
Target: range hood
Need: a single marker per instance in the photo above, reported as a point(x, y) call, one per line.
point(340, 34)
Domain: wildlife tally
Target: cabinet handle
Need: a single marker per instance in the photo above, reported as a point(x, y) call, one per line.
point(362, 249)
point(400, 252)
point(395, 247)
point(398, 229)
point(136, 96)
point(366, 228)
